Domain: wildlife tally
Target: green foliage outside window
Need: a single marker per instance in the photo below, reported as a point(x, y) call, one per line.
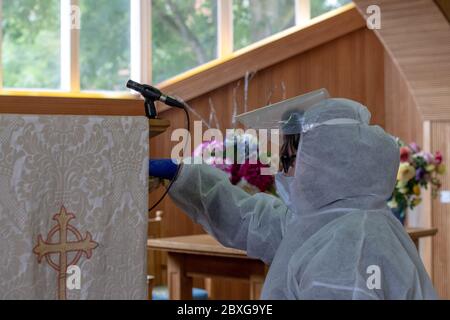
point(31, 44)
point(184, 35)
point(104, 44)
point(319, 7)
point(254, 20)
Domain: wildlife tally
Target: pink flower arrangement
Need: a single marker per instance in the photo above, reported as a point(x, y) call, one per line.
point(246, 175)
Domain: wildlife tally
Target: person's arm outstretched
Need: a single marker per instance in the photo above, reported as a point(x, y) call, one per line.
point(254, 223)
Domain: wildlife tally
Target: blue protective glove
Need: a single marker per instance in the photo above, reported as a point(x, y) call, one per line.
point(162, 168)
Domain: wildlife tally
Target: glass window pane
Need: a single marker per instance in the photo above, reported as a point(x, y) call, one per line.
point(104, 44)
point(319, 7)
point(257, 19)
point(184, 34)
point(31, 44)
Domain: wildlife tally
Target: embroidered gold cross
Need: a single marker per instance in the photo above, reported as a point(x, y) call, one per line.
point(45, 248)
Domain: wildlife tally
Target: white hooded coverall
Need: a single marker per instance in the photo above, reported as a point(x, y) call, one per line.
point(339, 228)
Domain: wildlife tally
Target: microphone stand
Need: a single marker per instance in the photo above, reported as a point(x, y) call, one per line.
point(150, 95)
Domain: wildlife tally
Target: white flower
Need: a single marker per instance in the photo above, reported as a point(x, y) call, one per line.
point(392, 204)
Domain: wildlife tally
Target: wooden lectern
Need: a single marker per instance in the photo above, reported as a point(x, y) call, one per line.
point(158, 126)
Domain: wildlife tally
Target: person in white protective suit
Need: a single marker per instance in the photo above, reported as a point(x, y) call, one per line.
point(332, 235)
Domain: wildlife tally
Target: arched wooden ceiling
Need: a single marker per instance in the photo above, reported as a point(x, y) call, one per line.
point(416, 35)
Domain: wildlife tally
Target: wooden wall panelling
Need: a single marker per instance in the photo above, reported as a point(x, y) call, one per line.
point(416, 35)
point(440, 141)
point(403, 118)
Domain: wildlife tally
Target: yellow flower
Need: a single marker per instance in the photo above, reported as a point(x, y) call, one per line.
point(441, 168)
point(405, 172)
point(401, 184)
point(430, 167)
point(403, 190)
point(416, 201)
point(416, 190)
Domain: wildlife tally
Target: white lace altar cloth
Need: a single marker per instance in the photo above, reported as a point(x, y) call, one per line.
point(74, 197)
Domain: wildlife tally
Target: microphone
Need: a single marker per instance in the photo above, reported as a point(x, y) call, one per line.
point(154, 94)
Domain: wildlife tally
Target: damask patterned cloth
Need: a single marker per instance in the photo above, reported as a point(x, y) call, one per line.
point(73, 207)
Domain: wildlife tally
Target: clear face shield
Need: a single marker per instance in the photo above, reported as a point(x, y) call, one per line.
point(286, 117)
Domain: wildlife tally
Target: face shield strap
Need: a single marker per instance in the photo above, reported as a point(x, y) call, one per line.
point(338, 121)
